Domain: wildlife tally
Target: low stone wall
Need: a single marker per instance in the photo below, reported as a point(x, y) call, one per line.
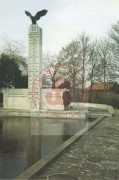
point(51, 99)
point(16, 99)
point(102, 107)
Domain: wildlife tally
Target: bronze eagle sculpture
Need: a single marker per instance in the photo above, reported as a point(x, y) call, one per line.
point(38, 15)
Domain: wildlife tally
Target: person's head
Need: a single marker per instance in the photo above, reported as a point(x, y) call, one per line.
point(65, 89)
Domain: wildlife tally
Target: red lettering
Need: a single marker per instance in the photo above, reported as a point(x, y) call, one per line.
point(54, 97)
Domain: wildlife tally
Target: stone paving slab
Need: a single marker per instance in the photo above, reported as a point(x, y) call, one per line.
point(95, 156)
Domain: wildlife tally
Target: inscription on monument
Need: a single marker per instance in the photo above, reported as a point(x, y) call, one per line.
point(35, 63)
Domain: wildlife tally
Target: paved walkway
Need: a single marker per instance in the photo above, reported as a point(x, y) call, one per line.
point(95, 156)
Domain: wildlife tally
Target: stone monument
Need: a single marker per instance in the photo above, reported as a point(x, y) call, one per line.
point(35, 66)
point(35, 60)
point(29, 98)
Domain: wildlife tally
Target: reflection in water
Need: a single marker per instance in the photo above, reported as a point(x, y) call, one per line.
point(23, 141)
point(1, 126)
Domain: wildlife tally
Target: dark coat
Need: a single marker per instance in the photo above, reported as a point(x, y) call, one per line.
point(66, 98)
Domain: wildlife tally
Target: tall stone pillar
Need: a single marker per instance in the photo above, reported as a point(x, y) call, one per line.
point(35, 66)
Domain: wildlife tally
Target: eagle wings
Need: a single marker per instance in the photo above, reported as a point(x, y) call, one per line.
point(38, 15)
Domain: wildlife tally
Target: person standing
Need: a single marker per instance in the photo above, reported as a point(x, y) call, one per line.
point(66, 97)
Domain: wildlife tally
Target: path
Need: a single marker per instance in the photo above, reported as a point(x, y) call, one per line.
point(95, 156)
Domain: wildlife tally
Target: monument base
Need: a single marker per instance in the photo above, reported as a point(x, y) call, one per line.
point(51, 103)
point(51, 99)
point(16, 99)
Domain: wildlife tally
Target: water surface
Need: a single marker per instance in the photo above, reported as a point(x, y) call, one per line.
point(23, 141)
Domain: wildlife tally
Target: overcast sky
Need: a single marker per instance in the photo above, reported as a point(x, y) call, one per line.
point(64, 21)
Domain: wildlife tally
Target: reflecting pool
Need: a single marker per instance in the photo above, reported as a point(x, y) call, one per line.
point(23, 141)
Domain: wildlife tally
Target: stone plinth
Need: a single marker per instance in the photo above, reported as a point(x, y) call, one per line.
point(16, 99)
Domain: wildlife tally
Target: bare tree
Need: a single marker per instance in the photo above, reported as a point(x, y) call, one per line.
point(69, 57)
point(103, 64)
point(114, 47)
point(84, 51)
point(74, 58)
point(51, 67)
point(93, 66)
